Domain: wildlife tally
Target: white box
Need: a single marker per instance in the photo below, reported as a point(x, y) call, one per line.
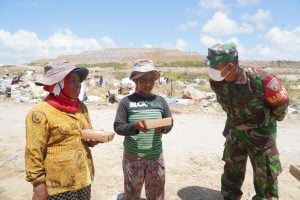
point(99, 136)
point(156, 123)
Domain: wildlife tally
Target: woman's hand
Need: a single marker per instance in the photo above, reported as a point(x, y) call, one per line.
point(140, 125)
point(40, 192)
point(91, 142)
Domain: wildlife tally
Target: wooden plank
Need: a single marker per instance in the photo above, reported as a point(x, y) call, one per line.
point(295, 171)
point(99, 136)
point(156, 123)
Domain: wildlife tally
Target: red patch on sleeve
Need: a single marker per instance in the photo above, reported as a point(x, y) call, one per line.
point(275, 93)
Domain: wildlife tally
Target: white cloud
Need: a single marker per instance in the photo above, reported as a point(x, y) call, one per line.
point(260, 18)
point(221, 24)
point(212, 5)
point(24, 46)
point(261, 52)
point(188, 25)
point(147, 46)
point(65, 42)
point(279, 45)
point(284, 38)
point(181, 44)
point(108, 42)
point(210, 41)
point(19, 41)
point(20, 46)
point(244, 3)
point(283, 45)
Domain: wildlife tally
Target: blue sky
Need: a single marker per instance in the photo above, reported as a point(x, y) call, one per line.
point(262, 29)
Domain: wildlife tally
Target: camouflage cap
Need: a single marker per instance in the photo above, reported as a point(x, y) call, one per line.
point(220, 53)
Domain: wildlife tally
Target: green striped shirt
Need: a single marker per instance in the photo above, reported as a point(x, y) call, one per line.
point(133, 108)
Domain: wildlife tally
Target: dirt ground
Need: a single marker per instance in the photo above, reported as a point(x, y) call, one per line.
point(192, 151)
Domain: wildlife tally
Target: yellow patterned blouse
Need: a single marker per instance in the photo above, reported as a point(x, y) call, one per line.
point(54, 152)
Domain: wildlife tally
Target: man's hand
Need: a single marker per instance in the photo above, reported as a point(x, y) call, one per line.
point(140, 125)
point(40, 192)
point(160, 130)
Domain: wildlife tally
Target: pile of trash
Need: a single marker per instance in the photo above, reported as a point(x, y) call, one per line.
point(21, 88)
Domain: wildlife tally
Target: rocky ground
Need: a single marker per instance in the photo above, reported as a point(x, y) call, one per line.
point(192, 150)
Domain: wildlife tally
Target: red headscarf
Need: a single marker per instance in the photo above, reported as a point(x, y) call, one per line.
point(63, 101)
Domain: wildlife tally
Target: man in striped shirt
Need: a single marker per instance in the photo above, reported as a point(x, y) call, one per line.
point(143, 155)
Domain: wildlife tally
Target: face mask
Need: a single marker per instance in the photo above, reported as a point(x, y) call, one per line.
point(216, 75)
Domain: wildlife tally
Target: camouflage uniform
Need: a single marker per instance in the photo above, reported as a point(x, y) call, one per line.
point(250, 128)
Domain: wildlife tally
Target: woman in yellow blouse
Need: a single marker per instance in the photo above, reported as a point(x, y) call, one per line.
point(58, 162)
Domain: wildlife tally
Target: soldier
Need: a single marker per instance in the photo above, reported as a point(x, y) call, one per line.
point(253, 101)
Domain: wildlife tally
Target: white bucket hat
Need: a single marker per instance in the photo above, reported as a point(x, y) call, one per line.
point(58, 70)
point(142, 67)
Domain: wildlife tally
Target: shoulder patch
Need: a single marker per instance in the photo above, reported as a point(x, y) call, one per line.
point(275, 93)
point(274, 84)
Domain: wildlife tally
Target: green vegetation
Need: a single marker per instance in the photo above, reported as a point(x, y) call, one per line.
point(41, 63)
point(114, 65)
point(184, 76)
point(180, 64)
point(120, 74)
point(294, 97)
point(100, 91)
point(204, 88)
point(289, 84)
point(294, 94)
point(169, 90)
point(6, 66)
point(286, 64)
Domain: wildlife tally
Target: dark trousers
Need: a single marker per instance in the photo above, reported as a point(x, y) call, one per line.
point(82, 194)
